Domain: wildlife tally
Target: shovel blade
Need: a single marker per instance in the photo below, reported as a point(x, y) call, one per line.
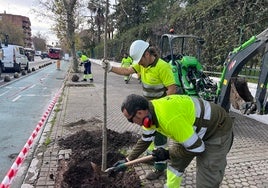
point(109, 169)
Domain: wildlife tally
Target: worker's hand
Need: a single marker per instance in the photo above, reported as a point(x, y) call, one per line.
point(106, 65)
point(119, 166)
point(120, 162)
point(160, 154)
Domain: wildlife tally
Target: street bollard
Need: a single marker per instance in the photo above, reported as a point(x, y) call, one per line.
point(58, 64)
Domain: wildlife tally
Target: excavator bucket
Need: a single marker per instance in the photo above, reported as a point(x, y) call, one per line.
point(240, 96)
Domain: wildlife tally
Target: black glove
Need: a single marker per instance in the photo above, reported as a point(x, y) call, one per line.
point(120, 162)
point(160, 154)
point(119, 166)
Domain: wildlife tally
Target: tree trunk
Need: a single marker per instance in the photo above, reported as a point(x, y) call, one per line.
point(69, 7)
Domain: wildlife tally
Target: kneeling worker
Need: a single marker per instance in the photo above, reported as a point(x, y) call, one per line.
point(198, 128)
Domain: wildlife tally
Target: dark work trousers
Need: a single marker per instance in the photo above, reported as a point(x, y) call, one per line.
point(87, 66)
point(87, 71)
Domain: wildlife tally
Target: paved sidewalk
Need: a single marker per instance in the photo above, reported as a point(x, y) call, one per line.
point(247, 160)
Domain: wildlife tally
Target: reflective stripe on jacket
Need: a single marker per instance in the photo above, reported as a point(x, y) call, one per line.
point(155, 78)
point(187, 121)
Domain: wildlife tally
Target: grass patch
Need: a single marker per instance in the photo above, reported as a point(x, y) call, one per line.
point(47, 141)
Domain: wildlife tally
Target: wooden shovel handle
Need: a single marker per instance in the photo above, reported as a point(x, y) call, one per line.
point(129, 163)
point(139, 160)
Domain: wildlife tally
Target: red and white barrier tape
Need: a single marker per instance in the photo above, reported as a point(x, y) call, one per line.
point(19, 160)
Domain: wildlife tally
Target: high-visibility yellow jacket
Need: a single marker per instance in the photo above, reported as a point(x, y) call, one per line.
point(126, 62)
point(83, 58)
point(187, 120)
point(155, 78)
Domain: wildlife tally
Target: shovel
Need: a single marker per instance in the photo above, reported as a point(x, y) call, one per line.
point(129, 163)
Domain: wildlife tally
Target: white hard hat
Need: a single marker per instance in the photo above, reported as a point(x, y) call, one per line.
point(137, 49)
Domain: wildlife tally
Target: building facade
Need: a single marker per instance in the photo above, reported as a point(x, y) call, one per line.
point(20, 21)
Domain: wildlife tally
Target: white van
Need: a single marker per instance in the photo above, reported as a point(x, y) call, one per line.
point(14, 58)
point(1, 58)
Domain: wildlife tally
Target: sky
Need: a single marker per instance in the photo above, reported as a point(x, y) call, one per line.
point(25, 8)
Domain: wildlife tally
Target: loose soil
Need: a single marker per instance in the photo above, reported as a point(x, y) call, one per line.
point(83, 169)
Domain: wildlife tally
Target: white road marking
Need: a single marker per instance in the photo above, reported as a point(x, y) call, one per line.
point(35, 95)
point(15, 99)
point(30, 95)
point(33, 86)
point(3, 93)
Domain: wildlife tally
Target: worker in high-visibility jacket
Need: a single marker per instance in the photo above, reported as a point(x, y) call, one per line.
point(87, 66)
point(157, 80)
point(126, 62)
point(197, 128)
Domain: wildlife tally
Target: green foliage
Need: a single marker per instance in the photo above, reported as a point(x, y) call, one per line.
point(224, 24)
point(130, 13)
point(123, 151)
point(15, 33)
point(47, 141)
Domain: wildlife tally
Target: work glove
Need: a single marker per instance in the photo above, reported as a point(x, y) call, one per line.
point(120, 162)
point(120, 166)
point(160, 154)
point(106, 65)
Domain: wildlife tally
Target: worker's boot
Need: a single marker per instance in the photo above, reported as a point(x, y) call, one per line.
point(155, 174)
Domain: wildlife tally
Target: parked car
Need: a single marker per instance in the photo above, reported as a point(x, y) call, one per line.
point(44, 55)
point(38, 53)
point(14, 58)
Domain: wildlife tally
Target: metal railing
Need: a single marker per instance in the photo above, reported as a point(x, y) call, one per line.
point(251, 74)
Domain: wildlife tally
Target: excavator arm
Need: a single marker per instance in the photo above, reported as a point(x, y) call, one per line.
point(261, 93)
point(234, 64)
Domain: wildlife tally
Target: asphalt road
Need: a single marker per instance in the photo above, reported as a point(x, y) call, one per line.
point(22, 103)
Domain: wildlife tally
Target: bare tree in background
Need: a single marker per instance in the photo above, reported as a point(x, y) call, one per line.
point(66, 17)
point(97, 7)
point(69, 6)
point(39, 42)
point(14, 33)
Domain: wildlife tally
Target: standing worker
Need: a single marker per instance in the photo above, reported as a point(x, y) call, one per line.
point(126, 62)
point(87, 65)
point(198, 128)
point(157, 81)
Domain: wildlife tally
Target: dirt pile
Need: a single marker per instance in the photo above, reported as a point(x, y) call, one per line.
point(86, 148)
